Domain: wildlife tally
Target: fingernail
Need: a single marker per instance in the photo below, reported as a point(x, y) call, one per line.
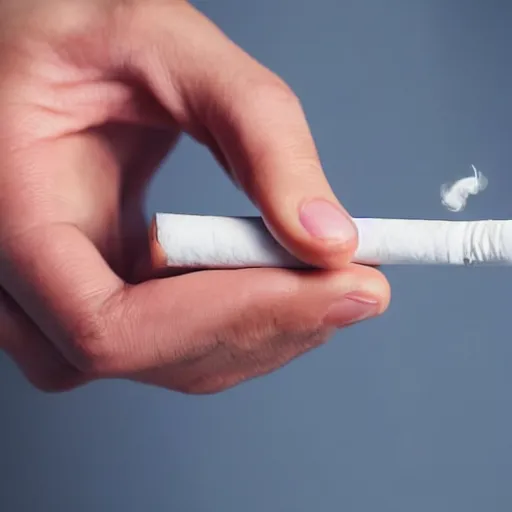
point(353, 308)
point(323, 219)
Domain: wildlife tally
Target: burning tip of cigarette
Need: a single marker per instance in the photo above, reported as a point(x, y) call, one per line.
point(454, 196)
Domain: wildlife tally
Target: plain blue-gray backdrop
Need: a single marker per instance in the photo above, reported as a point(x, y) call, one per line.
point(408, 412)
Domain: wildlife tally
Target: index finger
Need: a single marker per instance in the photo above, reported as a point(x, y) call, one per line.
point(249, 116)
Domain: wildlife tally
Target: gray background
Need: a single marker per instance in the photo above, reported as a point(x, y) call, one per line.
point(407, 412)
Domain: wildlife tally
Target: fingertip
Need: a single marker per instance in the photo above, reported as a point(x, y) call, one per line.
point(320, 232)
point(329, 296)
point(367, 281)
point(327, 221)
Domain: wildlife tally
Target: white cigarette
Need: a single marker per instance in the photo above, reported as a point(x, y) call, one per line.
point(208, 242)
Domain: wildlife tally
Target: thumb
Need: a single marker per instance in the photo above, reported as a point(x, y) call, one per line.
point(252, 122)
point(208, 331)
point(211, 330)
point(222, 326)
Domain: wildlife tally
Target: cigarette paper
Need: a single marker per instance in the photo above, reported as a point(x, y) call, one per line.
point(210, 242)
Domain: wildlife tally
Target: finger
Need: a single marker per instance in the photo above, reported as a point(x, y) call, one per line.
point(233, 325)
point(207, 375)
point(33, 353)
point(107, 328)
point(217, 92)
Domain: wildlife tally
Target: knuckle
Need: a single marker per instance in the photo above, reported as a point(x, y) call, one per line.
point(92, 350)
point(297, 341)
point(313, 338)
point(65, 18)
point(270, 90)
point(277, 338)
point(297, 332)
point(142, 15)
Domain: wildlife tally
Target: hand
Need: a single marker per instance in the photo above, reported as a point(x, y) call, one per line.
point(93, 95)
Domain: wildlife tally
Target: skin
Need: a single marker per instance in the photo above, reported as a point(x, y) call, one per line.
point(93, 95)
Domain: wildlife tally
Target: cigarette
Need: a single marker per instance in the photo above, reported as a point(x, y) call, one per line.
point(181, 241)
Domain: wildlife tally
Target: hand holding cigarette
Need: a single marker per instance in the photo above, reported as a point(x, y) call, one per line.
point(92, 98)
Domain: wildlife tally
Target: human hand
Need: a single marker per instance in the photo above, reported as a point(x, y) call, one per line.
point(93, 95)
